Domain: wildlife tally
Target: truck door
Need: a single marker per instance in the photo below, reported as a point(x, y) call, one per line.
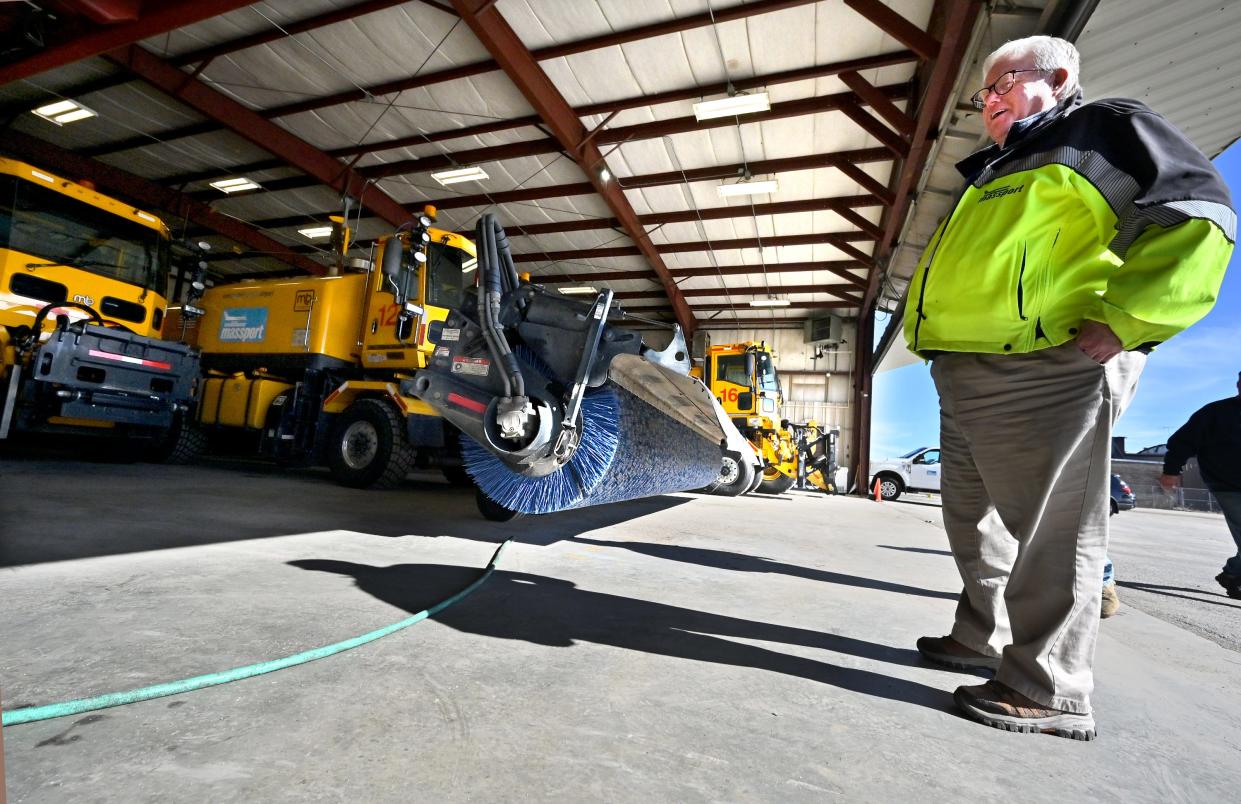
point(924, 473)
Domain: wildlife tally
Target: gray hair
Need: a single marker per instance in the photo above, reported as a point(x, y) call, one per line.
point(1047, 53)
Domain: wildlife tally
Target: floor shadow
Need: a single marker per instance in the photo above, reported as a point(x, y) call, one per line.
point(85, 509)
point(929, 551)
point(724, 559)
point(555, 613)
point(923, 503)
point(1170, 591)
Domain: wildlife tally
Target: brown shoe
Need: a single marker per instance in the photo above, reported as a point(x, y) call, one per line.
point(1110, 603)
point(1004, 708)
point(947, 651)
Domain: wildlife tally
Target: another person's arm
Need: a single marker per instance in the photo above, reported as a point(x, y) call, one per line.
point(1182, 445)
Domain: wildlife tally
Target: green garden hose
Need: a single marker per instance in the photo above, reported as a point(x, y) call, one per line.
point(30, 714)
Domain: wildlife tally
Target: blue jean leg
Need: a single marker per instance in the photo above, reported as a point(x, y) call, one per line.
point(1109, 577)
point(1230, 501)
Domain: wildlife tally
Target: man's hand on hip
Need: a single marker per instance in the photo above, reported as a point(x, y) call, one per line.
point(1098, 341)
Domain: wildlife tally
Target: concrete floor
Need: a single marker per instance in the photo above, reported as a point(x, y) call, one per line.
point(679, 648)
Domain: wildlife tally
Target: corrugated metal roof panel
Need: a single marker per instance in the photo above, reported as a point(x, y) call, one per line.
point(415, 37)
point(1178, 58)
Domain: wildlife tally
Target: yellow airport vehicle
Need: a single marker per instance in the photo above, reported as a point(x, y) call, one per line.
point(816, 456)
point(744, 380)
point(83, 281)
point(319, 370)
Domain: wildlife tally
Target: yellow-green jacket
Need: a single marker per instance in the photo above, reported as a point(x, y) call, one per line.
point(1101, 212)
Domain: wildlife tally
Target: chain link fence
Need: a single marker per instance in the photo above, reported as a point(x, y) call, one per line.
point(1179, 499)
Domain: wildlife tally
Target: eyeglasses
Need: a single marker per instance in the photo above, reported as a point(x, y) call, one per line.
point(1002, 86)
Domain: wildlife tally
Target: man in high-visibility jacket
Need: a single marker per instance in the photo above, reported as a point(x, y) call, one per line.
point(1086, 235)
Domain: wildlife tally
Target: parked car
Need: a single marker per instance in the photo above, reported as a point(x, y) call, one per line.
point(919, 470)
point(913, 471)
point(1123, 497)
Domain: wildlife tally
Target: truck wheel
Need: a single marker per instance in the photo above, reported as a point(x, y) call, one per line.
point(492, 510)
point(457, 476)
point(756, 482)
point(368, 447)
point(890, 487)
point(184, 443)
point(736, 477)
point(455, 473)
point(776, 485)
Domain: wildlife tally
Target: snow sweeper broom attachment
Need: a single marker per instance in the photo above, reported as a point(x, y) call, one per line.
point(560, 408)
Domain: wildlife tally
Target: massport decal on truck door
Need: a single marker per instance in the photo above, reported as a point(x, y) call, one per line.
point(243, 324)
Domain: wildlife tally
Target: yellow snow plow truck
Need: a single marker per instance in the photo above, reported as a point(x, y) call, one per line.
point(743, 378)
point(83, 279)
point(319, 370)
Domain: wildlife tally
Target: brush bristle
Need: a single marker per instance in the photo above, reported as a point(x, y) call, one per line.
point(628, 450)
point(561, 489)
point(656, 455)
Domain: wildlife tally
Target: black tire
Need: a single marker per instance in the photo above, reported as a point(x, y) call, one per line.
point(890, 486)
point(457, 476)
point(736, 477)
point(184, 443)
point(776, 485)
point(707, 489)
point(456, 473)
point(757, 481)
point(1115, 506)
point(492, 510)
point(368, 447)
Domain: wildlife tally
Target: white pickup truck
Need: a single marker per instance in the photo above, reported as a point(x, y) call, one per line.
point(914, 471)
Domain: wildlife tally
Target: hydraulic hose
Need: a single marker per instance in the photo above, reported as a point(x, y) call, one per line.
point(31, 714)
point(497, 276)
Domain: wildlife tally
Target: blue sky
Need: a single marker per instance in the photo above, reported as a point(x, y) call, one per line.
point(1198, 366)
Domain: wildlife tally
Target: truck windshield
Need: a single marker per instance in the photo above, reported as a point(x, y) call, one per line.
point(54, 228)
point(768, 380)
point(445, 279)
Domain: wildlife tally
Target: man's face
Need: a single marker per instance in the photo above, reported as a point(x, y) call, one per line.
point(1031, 93)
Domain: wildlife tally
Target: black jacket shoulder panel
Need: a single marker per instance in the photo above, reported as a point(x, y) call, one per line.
point(1130, 137)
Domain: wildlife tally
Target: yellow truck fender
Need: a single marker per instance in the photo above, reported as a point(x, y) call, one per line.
point(351, 390)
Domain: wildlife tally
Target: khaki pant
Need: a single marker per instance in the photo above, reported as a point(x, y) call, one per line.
point(1026, 451)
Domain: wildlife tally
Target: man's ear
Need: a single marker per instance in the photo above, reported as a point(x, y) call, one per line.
point(1059, 80)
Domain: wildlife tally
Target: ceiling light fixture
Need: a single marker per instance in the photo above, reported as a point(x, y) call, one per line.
point(749, 188)
point(769, 302)
point(235, 185)
point(65, 111)
point(579, 290)
point(733, 105)
point(315, 232)
point(457, 175)
point(604, 175)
